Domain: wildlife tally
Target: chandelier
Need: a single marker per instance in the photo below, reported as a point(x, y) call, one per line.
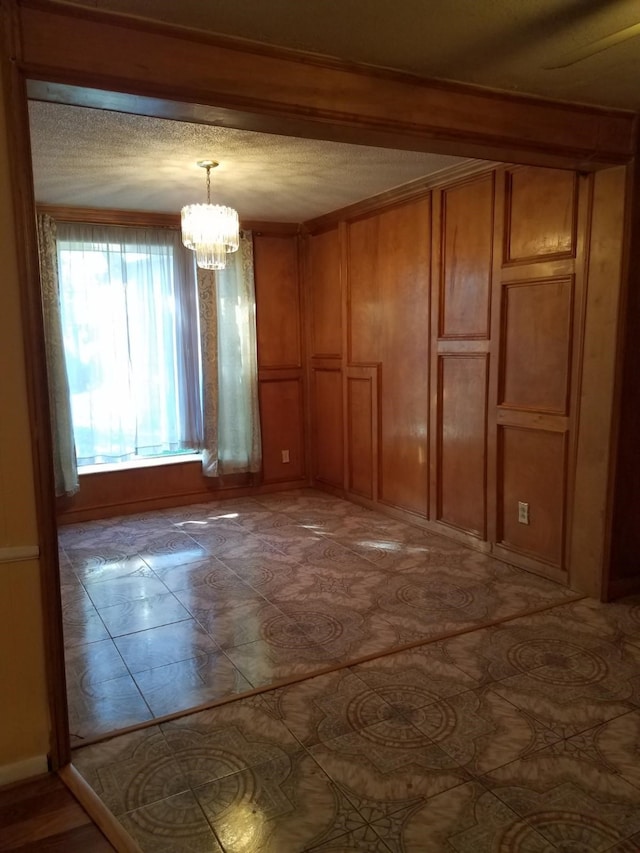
point(210, 230)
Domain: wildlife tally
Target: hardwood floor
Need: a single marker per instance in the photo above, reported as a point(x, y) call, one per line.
point(43, 814)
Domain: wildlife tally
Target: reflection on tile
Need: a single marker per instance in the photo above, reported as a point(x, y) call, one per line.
point(101, 707)
point(185, 576)
point(263, 662)
point(188, 683)
point(171, 548)
point(81, 621)
point(164, 645)
point(285, 804)
point(174, 825)
point(289, 585)
point(143, 613)
point(107, 593)
point(93, 662)
point(236, 623)
point(268, 574)
point(519, 737)
point(92, 566)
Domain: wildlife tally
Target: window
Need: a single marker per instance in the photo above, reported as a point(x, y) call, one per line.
point(130, 327)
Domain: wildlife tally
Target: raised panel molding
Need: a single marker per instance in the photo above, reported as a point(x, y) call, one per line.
point(532, 465)
point(277, 301)
point(540, 214)
point(466, 260)
point(325, 289)
point(361, 428)
point(536, 339)
point(461, 444)
point(281, 414)
point(327, 421)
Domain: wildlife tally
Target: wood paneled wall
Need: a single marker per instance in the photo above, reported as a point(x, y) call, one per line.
point(448, 334)
point(387, 281)
point(538, 277)
point(280, 360)
point(281, 378)
point(461, 334)
point(324, 333)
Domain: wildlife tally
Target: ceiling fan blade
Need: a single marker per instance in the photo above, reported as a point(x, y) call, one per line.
point(595, 47)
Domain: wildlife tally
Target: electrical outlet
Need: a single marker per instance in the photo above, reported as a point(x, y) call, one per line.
point(523, 512)
point(285, 456)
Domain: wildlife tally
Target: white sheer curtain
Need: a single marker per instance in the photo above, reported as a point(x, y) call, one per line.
point(130, 326)
point(64, 453)
point(230, 365)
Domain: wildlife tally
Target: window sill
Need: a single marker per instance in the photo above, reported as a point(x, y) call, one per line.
point(151, 462)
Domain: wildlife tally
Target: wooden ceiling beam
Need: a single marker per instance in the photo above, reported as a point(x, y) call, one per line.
point(239, 83)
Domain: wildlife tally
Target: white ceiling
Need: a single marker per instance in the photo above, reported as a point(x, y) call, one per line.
point(503, 44)
point(96, 158)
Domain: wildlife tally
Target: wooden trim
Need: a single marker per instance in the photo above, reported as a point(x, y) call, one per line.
point(523, 560)
point(36, 384)
point(500, 542)
point(261, 228)
point(17, 772)
point(73, 516)
point(462, 346)
point(493, 466)
point(279, 373)
point(67, 45)
point(433, 438)
point(472, 540)
point(583, 209)
point(305, 323)
point(108, 216)
point(531, 419)
point(369, 374)
point(410, 191)
point(535, 281)
point(152, 219)
point(625, 357)
point(19, 553)
point(336, 367)
point(345, 343)
point(507, 261)
point(110, 827)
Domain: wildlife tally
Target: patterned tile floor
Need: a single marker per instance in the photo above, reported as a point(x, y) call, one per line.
point(169, 610)
point(522, 737)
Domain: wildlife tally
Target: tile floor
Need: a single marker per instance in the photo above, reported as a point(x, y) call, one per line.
point(169, 610)
point(519, 738)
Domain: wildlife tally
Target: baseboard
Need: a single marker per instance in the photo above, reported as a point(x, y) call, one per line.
point(25, 769)
point(104, 819)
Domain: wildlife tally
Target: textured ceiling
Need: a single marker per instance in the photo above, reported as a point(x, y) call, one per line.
point(505, 44)
point(95, 158)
